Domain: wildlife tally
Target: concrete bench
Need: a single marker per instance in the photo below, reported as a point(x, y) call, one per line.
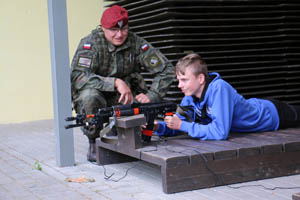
point(188, 164)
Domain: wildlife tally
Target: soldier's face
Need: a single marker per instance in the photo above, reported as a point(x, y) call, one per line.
point(116, 36)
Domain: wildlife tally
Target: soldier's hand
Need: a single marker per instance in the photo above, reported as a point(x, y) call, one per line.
point(126, 94)
point(142, 98)
point(173, 122)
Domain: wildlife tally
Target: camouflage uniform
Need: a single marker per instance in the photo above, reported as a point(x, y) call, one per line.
point(97, 63)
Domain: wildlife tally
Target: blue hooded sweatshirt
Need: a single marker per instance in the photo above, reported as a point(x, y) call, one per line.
point(222, 110)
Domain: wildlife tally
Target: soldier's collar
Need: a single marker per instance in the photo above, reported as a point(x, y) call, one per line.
point(112, 47)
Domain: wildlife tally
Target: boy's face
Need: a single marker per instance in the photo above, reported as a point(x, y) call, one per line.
point(190, 84)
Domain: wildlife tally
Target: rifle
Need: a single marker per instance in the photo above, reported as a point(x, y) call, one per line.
point(150, 111)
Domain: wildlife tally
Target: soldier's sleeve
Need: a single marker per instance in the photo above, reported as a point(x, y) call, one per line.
point(85, 64)
point(155, 62)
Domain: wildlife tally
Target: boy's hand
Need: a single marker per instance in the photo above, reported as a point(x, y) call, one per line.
point(155, 127)
point(173, 122)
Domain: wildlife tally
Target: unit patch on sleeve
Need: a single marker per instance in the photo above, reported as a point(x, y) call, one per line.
point(84, 61)
point(153, 61)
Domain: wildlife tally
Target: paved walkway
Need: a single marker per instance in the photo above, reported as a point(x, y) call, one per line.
point(27, 147)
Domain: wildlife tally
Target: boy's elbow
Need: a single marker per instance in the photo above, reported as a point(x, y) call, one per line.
point(222, 135)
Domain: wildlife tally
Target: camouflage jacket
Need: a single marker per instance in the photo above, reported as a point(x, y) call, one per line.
point(97, 63)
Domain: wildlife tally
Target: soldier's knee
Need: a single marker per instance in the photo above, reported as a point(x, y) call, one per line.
point(91, 99)
point(89, 94)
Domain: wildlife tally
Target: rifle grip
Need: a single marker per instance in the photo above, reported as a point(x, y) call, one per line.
point(169, 113)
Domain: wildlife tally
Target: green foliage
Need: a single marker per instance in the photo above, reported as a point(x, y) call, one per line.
point(37, 166)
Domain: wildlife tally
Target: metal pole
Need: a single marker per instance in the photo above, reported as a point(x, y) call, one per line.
point(61, 85)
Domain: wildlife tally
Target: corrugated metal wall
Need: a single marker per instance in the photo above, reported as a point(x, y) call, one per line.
point(253, 44)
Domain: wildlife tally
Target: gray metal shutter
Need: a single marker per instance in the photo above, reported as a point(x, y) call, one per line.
point(253, 44)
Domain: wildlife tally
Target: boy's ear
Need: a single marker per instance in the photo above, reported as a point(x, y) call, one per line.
point(201, 78)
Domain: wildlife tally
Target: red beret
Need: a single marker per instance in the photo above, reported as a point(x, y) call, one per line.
point(111, 16)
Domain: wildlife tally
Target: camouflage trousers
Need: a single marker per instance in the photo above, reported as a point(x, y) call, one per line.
point(89, 101)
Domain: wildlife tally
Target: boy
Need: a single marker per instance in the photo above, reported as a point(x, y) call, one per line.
point(213, 108)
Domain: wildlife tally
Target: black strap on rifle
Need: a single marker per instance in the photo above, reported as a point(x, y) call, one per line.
point(183, 112)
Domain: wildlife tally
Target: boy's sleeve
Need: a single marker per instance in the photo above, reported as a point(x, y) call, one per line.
point(163, 130)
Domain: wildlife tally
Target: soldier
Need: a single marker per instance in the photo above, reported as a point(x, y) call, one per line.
point(106, 69)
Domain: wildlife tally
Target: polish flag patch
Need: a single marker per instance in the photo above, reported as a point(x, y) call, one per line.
point(145, 47)
point(87, 46)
